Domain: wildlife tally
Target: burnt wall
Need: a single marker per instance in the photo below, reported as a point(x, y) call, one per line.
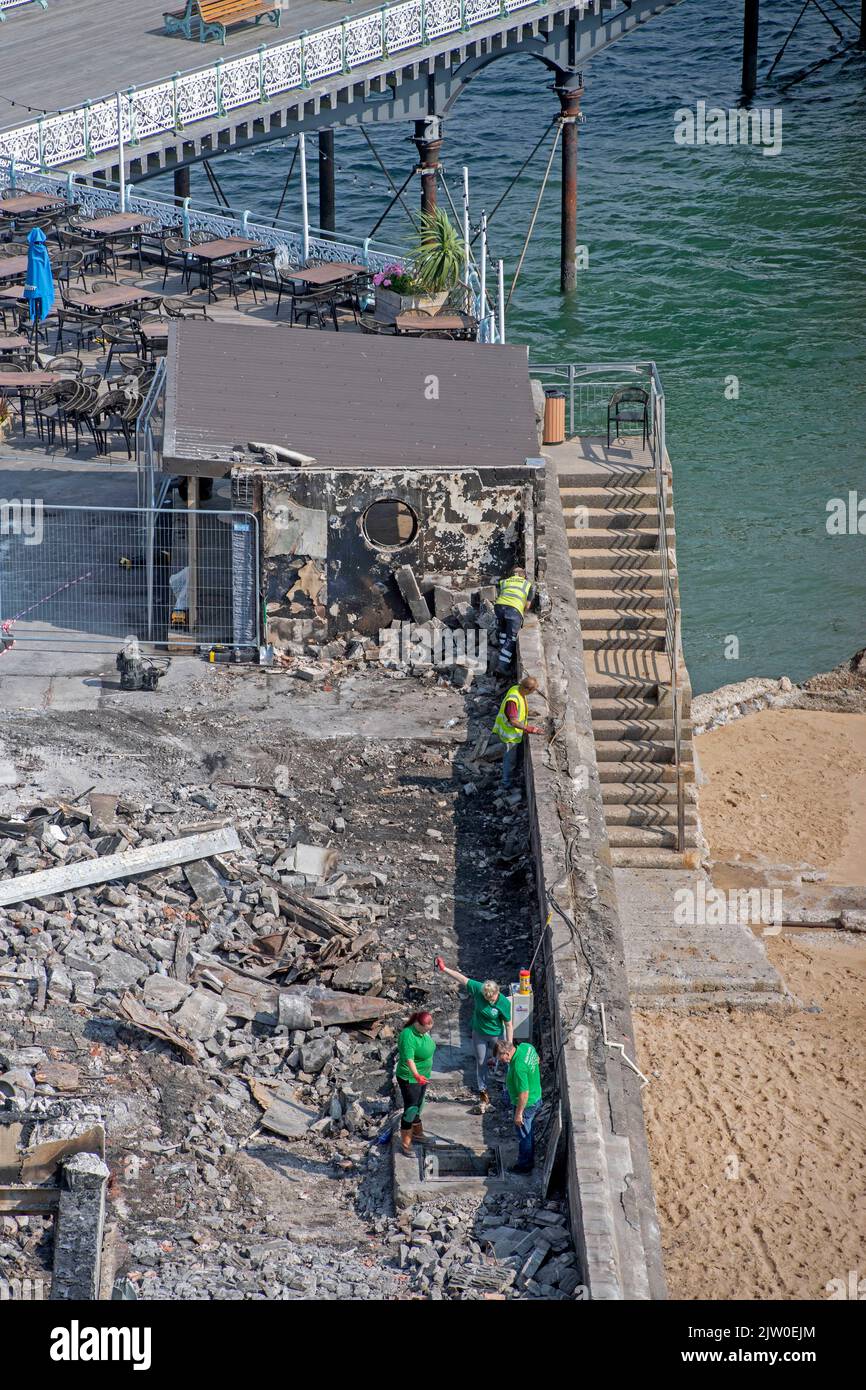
point(321, 568)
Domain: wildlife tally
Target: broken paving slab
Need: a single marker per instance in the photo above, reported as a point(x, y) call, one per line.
point(284, 1112)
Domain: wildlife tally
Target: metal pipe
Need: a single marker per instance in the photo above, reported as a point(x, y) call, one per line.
point(501, 300)
point(467, 253)
point(305, 211)
point(569, 98)
point(121, 172)
point(327, 191)
point(750, 46)
point(482, 312)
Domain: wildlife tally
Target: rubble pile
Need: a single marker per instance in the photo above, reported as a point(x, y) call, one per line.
point(234, 1017)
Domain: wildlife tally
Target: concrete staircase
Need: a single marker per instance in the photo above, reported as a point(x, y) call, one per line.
point(612, 527)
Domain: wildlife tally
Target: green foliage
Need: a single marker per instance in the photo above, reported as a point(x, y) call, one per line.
point(437, 253)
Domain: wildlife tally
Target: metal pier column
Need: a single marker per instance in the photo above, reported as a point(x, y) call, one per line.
point(569, 97)
point(327, 195)
point(428, 138)
point(750, 46)
point(181, 183)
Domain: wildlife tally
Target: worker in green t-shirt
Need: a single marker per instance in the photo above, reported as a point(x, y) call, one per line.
point(491, 1020)
point(415, 1048)
point(523, 1083)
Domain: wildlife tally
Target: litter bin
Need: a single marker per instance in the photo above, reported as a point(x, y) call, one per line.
point(554, 416)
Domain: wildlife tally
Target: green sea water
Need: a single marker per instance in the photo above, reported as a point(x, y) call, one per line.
point(716, 261)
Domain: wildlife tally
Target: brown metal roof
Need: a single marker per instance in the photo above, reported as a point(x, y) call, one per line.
point(350, 400)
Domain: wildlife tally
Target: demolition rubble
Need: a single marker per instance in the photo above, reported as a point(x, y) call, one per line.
point(229, 1020)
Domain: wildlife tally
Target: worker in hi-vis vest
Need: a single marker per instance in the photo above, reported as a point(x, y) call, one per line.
point(514, 595)
point(511, 725)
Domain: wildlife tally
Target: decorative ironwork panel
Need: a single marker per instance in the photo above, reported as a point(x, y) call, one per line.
point(363, 40)
point(240, 82)
point(323, 54)
point(403, 25)
point(482, 11)
point(197, 96)
point(442, 17)
point(153, 110)
point(283, 68)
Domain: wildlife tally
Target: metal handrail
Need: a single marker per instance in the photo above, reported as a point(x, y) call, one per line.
point(571, 376)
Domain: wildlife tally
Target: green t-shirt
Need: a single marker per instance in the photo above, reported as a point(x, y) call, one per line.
point(417, 1046)
point(488, 1019)
point(524, 1074)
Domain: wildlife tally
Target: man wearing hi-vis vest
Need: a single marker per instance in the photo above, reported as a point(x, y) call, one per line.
point(511, 725)
point(514, 594)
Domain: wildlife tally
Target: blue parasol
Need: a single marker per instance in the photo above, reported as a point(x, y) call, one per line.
point(39, 286)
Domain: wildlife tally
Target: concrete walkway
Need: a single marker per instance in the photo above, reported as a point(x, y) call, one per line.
point(674, 962)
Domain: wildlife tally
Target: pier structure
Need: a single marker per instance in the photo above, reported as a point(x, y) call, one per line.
point(158, 102)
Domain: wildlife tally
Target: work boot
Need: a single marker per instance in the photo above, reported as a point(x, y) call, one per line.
point(418, 1134)
point(485, 1100)
point(406, 1140)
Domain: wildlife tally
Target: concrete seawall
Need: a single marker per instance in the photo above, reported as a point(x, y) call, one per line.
point(611, 1200)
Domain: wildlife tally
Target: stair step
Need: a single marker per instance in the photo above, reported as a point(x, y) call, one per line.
point(635, 858)
point(578, 475)
point(605, 560)
point(628, 772)
point(623, 707)
point(628, 730)
point(617, 639)
point(638, 750)
point(615, 539)
point(644, 794)
point(634, 837)
point(639, 498)
point(623, 620)
point(662, 815)
point(623, 600)
point(615, 518)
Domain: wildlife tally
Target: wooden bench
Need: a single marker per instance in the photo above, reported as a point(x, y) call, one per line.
point(215, 16)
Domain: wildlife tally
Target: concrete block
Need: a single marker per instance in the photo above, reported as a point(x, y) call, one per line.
point(79, 1229)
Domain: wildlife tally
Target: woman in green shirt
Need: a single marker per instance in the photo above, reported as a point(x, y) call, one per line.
point(491, 1021)
point(415, 1049)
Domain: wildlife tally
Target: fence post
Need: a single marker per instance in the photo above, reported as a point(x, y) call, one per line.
point(185, 216)
point(12, 174)
point(219, 87)
point(303, 38)
point(133, 115)
point(40, 141)
point(384, 31)
point(262, 73)
point(178, 123)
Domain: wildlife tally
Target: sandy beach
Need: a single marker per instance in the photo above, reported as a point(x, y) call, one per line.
point(756, 1121)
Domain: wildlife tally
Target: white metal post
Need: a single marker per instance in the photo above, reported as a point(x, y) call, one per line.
point(483, 296)
point(120, 155)
point(501, 299)
point(466, 251)
point(305, 212)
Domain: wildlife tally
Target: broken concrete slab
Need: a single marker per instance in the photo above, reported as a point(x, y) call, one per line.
point(79, 1229)
point(204, 882)
point(314, 861)
point(283, 1111)
point(163, 994)
point(315, 1054)
point(200, 1014)
point(408, 586)
point(358, 977)
point(144, 859)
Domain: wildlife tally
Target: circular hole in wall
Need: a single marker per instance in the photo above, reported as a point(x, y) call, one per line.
point(390, 523)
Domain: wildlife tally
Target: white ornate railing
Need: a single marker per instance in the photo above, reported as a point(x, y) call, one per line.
point(253, 79)
point(13, 4)
point(224, 222)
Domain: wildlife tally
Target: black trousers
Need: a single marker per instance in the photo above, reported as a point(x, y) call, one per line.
point(414, 1097)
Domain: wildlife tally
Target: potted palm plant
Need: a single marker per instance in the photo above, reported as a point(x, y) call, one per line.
point(437, 258)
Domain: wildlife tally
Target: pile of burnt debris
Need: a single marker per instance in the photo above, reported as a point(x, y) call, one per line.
point(227, 991)
point(447, 634)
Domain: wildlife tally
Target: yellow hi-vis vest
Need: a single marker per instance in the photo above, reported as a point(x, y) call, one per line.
point(502, 727)
point(514, 593)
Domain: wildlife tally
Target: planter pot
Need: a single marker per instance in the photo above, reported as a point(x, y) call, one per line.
point(389, 304)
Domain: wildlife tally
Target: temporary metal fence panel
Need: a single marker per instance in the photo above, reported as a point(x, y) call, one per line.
point(95, 575)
